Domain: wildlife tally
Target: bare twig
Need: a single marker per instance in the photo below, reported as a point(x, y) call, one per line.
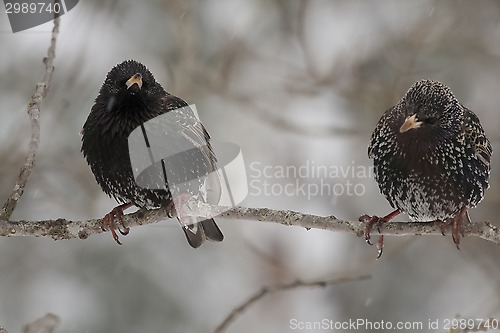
point(66, 229)
point(308, 57)
point(34, 113)
point(45, 324)
point(281, 287)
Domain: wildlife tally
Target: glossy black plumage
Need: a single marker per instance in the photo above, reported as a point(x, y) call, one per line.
point(431, 156)
point(129, 97)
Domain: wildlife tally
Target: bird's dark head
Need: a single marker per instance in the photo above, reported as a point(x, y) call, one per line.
point(130, 82)
point(429, 107)
point(128, 97)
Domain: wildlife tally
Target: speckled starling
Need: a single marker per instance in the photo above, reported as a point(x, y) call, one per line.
point(431, 159)
point(130, 97)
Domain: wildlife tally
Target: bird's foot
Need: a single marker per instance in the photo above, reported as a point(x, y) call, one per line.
point(109, 221)
point(375, 221)
point(457, 226)
point(170, 209)
point(176, 204)
point(370, 222)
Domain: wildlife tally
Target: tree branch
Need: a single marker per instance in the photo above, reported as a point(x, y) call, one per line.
point(281, 287)
point(66, 229)
point(34, 113)
point(45, 324)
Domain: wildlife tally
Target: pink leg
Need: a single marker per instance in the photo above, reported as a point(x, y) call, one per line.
point(176, 205)
point(372, 221)
point(457, 225)
point(170, 208)
point(109, 221)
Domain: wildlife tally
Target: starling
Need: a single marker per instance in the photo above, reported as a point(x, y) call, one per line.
point(431, 159)
point(130, 97)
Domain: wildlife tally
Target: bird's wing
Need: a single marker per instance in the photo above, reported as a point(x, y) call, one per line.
point(183, 132)
point(377, 132)
point(474, 134)
point(191, 127)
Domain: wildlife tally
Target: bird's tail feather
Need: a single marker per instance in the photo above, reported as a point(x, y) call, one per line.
point(197, 232)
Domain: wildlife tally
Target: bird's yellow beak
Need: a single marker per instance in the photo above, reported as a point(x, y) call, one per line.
point(134, 79)
point(410, 122)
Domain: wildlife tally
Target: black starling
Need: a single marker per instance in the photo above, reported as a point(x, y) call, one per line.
point(431, 159)
point(130, 97)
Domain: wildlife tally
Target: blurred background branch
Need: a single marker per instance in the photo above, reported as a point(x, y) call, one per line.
point(34, 107)
point(282, 287)
point(46, 324)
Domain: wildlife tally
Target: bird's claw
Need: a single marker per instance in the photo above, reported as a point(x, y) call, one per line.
point(376, 221)
point(170, 209)
point(380, 246)
point(124, 230)
point(108, 221)
point(457, 231)
point(457, 226)
point(443, 227)
point(454, 236)
point(372, 221)
point(175, 205)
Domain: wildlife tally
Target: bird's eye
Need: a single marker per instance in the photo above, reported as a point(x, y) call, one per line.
point(430, 120)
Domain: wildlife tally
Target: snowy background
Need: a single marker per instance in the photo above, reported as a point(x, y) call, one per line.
point(294, 84)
